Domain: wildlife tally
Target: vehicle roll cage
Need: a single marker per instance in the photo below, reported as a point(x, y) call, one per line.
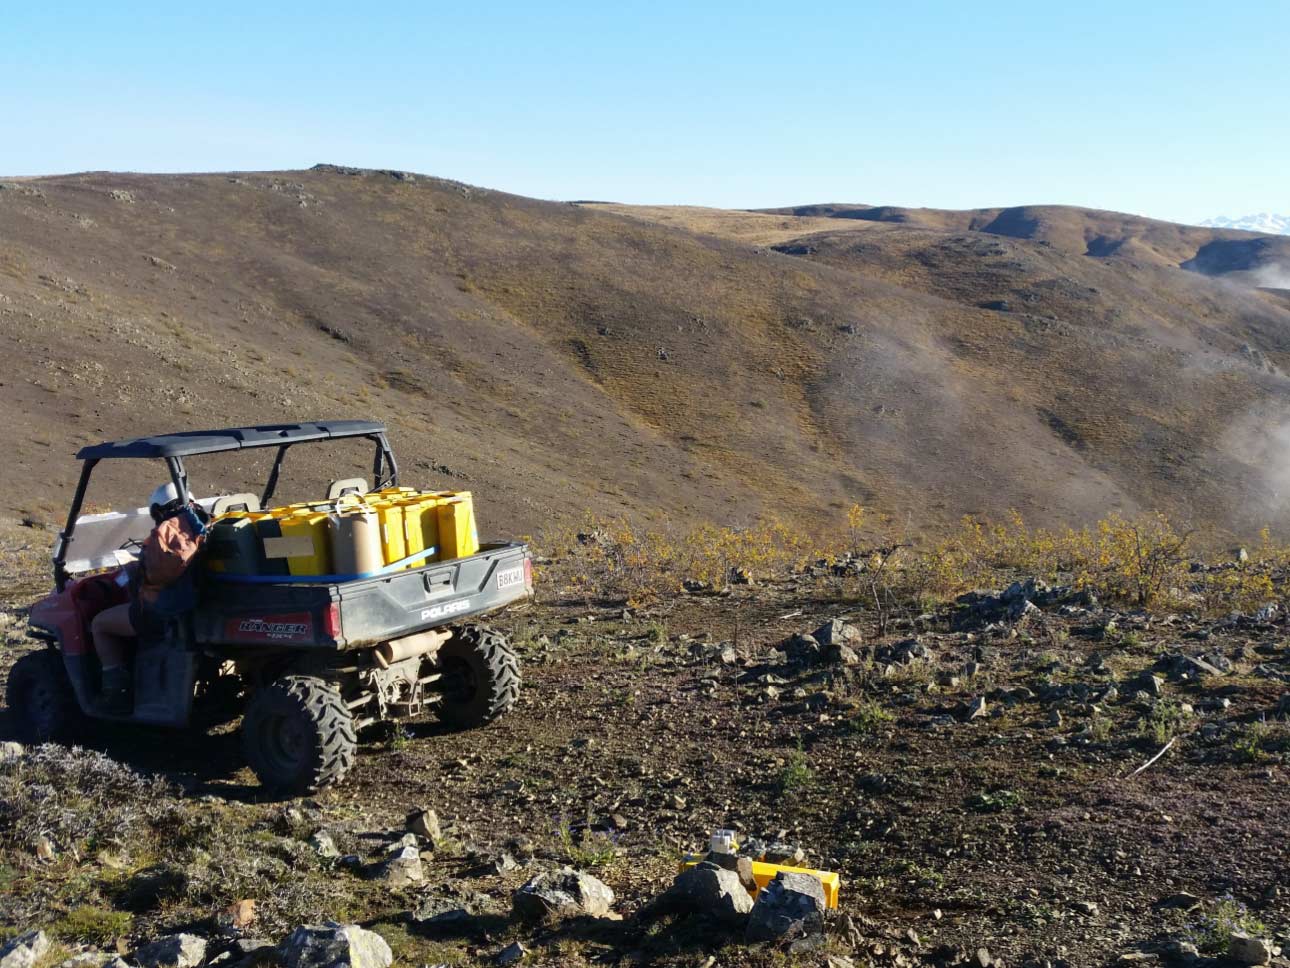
point(173, 448)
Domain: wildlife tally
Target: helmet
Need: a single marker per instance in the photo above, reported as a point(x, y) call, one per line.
point(163, 495)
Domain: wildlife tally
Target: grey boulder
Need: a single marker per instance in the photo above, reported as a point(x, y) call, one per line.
point(175, 951)
point(334, 945)
point(24, 950)
point(1246, 950)
point(562, 893)
point(708, 888)
point(402, 868)
point(790, 906)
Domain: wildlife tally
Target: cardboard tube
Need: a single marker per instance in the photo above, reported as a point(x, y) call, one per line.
point(396, 650)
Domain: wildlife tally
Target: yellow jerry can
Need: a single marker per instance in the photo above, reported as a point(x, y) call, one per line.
point(304, 543)
point(393, 542)
point(421, 526)
point(458, 536)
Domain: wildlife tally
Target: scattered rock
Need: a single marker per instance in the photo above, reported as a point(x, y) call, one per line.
point(1180, 951)
point(1191, 667)
point(324, 845)
point(778, 852)
point(425, 823)
point(402, 868)
point(176, 951)
point(511, 954)
point(453, 910)
point(1151, 684)
point(562, 893)
point(976, 709)
point(835, 633)
point(92, 959)
point(333, 945)
point(803, 649)
point(708, 888)
point(24, 950)
point(790, 906)
point(1246, 950)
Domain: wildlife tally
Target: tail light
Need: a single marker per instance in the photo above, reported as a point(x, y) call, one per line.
point(331, 621)
point(528, 574)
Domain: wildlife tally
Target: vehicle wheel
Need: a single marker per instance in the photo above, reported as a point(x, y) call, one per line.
point(481, 677)
point(41, 700)
point(298, 735)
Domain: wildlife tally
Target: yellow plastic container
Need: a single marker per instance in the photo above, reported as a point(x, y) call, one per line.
point(393, 542)
point(392, 492)
point(764, 873)
point(458, 537)
point(420, 526)
point(305, 543)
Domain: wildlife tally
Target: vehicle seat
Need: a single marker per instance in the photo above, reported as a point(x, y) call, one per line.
point(96, 594)
point(346, 485)
point(234, 502)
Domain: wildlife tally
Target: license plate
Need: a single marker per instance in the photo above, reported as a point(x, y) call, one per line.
point(510, 577)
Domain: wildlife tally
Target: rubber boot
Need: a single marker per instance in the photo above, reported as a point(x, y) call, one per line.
point(114, 697)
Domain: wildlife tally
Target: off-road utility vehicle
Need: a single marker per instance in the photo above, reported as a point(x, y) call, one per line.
point(312, 661)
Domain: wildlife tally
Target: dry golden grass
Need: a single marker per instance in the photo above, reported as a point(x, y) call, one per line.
point(1144, 561)
point(753, 228)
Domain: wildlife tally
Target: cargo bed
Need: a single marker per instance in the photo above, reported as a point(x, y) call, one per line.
point(355, 614)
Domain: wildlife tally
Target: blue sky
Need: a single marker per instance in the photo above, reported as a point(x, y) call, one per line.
point(1177, 110)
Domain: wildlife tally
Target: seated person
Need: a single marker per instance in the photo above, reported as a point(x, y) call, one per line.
point(160, 586)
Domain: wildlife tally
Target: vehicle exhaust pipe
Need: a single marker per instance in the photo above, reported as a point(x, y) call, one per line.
point(396, 650)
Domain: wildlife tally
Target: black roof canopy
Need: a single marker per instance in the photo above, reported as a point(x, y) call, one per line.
point(192, 442)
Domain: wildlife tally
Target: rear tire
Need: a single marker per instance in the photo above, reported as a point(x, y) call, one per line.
point(481, 677)
point(298, 735)
point(41, 700)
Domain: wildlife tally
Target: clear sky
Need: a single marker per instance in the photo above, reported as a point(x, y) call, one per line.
point(1177, 110)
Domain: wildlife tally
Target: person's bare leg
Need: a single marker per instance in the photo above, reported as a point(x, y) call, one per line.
point(112, 630)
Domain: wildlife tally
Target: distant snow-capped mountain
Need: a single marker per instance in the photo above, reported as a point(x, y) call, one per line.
point(1265, 222)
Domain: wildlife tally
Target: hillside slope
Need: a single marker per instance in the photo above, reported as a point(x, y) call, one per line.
point(557, 358)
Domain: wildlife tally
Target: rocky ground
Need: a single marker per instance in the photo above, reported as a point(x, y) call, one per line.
point(974, 774)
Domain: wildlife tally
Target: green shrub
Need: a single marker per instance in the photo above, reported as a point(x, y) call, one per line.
point(869, 717)
point(586, 848)
point(1163, 722)
point(1251, 742)
point(797, 774)
point(1213, 930)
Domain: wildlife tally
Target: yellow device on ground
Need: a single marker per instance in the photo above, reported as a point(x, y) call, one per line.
point(764, 873)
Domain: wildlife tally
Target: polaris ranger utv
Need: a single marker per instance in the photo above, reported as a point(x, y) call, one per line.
point(317, 657)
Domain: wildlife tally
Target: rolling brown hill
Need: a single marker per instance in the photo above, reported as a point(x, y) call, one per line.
point(668, 363)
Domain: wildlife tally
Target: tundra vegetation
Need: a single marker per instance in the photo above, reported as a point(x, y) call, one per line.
point(957, 725)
